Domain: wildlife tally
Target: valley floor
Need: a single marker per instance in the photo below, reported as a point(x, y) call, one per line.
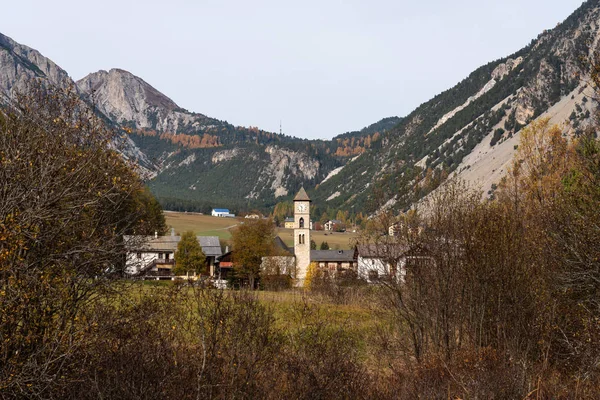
point(207, 225)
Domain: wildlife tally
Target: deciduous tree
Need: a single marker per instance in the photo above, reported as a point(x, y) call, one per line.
point(251, 241)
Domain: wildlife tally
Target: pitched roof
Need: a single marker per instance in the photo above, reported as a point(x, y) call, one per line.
point(289, 219)
point(221, 210)
point(302, 196)
point(210, 244)
point(332, 255)
point(280, 245)
point(382, 250)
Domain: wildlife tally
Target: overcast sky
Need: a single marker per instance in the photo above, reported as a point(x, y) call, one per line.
point(322, 67)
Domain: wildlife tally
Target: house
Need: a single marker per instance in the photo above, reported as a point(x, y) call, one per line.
point(334, 260)
point(154, 256)
point(332, 225)
point(222, 212)
point(289, 223)
point(399, 228)
point(224, 269)
point(389, 261)
point(252, 216)
point(380, 261)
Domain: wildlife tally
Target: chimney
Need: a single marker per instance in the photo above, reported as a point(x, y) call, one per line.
point(172, 231)
point(155, 235)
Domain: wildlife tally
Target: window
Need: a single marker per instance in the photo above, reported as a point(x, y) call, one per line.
point(160, 256)
point(301, 223)
point(301, 239)
point(167, 256)
point(139, 255)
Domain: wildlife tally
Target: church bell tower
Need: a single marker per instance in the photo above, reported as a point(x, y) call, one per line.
point(301, 235)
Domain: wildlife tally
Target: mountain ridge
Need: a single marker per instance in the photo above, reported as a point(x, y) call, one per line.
point(469, 130)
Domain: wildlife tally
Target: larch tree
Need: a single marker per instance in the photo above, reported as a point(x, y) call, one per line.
point(251, 241)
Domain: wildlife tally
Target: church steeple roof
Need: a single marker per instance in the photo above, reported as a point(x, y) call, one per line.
point(302, 196)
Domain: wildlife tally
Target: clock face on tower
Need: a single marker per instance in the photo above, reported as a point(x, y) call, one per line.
point(301, 207)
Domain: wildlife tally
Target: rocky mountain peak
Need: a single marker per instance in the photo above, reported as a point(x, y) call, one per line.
point(125, 97)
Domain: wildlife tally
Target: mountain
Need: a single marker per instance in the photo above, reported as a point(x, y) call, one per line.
point(472, 130)
point(201, 162)
point(21, 66)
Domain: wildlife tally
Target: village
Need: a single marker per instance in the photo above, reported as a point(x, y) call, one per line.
point(155, 257)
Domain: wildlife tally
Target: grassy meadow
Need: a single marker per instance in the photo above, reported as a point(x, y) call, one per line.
point(203, 225)
point(207, 225)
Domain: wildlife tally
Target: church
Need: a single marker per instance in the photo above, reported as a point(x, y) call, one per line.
point(303, 256)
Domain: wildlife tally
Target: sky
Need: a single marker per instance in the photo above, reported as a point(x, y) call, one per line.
point(320, 67)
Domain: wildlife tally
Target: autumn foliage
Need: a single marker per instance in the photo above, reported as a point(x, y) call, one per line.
point(188, 141)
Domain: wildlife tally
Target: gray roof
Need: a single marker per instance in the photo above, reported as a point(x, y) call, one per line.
point(210, 244)
point(382, 250)
point(280, 244)
point(289, 219)
point(332, 255)
point(302, 196)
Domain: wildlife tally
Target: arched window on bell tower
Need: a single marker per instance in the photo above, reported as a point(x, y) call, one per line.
point(301, 223)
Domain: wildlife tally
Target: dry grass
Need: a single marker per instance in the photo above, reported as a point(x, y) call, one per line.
point(204, 225)
point(207, 225)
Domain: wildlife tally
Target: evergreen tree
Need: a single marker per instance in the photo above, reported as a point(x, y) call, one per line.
point(189, 257)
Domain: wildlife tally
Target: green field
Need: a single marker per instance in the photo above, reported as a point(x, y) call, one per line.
point(206, 225)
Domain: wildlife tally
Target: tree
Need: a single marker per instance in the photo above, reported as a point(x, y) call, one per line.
point(189, 256)
point(313, 244)
point(66, 200)
point(251, 241)
point(150, 212)
point(324, 246)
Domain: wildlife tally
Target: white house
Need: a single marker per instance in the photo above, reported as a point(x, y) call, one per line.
point(154, 256)
point(222, 212)
point(378, 262)
point(331, 225)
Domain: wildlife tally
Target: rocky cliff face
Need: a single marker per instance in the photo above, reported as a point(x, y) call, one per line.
point(21, 65)
point(131, 101)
